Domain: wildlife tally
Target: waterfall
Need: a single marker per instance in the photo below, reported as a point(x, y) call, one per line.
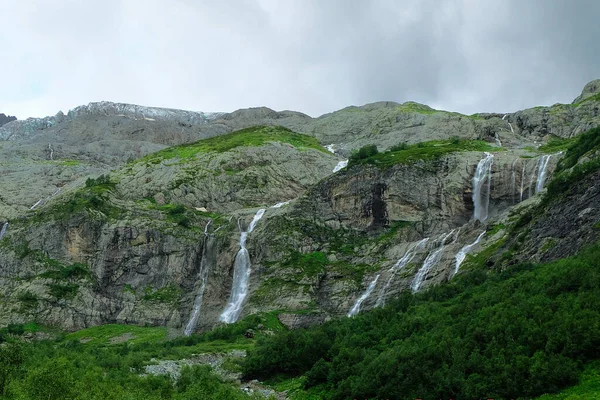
point(340, 165)
point(431, 261)
point(542, 169)
point(279, 205)
point(37, 204)
point(462, 254)
point(531, 179)
point(513, 180)
point(51, 151)
point(401, 263)
point(482, 173)
point(241, 276)
point(497, 139)
point(522, 182)
point(330, 148)
point(509, 124)
point(3, 230)
point(204, 269)
point(356, 308)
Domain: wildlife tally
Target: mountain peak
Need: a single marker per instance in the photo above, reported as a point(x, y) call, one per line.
point(590, 89)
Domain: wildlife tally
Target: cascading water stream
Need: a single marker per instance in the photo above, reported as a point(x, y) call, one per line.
point(400, 264)
point(356, 308)
point(522, 183)
point(340, 165)
point(204, 270)
point(542, 170)
point(3, 230)
point(330, 148)
point(483, 173)
point(513, 180)
point(279, 205)
point(497, 139)
point(431, 261)
point(241, 276)
point(462, 254)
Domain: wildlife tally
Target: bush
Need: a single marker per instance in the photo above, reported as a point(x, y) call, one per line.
point(363, 153)
point(517, 333)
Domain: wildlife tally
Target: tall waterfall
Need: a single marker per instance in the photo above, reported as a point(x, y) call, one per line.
point(497, 139)
point(513, 179)
point(204, 269)
point(401, 263)
point(522, 183)
point(542, 170)
point(241, 276)
point(356, 308)
point(340, 165)
point(462, 254)
point(483, 173)
point(3, 230)
point(431, 261)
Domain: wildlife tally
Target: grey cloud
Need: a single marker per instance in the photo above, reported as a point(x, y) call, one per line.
point(311, 56)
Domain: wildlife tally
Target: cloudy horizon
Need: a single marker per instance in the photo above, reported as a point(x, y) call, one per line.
point(310, 56)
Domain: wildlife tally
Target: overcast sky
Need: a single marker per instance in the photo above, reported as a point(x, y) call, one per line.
point(314, 56)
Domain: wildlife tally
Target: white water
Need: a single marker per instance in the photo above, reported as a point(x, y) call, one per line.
point(483, 173)
point(511, 128)
point(279, 205)
point(400, 264)
point(431, 261)
point(462, 254)
point(204, 269)
point(513, 179)
point(37, 204)
point(497, 138)
point(542, 170)
point(356, 308)
point(522, 183)
point(51, 151)
point(340, 165)
point(241, 276)
point(505, 115)
point(3, 230)
point(330, 148)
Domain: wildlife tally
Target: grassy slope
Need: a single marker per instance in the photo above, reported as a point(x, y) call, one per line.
point(249, 137)
point(423, 151)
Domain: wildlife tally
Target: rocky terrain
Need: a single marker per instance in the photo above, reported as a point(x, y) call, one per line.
point(147, 216)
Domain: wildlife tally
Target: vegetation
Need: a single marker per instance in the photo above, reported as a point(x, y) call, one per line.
point(412, 107)
point(571, 169)
point(249, 137)
point(404, 153)
point(556, 144)
point(517, 333)
point(107, 362)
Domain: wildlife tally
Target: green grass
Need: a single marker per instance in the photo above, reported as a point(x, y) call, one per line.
point(595, 97)
point(249, 137)
point(101, 335)
point(169, 294)
point(412, 107)
point(587, 388)
point(556, 144)
point(432, 150)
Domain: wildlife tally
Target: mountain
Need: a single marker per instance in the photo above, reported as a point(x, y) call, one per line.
point(5, 119)
point(116, 213)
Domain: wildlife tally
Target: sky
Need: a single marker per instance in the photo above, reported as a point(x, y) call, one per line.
point(313, 56)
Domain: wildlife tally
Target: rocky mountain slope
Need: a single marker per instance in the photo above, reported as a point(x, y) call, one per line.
point(5, 119)
point(120, 213)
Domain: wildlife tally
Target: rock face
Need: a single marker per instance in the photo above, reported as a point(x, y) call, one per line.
point(589, 90)
point(5, 119)
point(138, 247)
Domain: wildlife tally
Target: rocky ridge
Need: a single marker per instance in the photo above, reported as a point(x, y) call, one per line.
point(131, 249)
